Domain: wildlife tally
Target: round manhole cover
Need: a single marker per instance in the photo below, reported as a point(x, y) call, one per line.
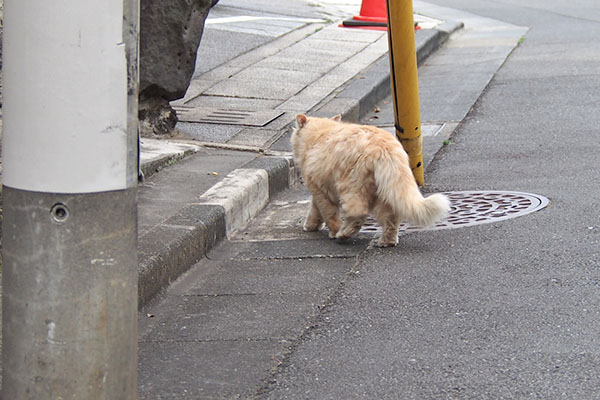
point(474, 208)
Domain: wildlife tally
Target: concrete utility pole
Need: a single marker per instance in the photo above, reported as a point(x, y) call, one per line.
point(70, 165)
point(405, 83)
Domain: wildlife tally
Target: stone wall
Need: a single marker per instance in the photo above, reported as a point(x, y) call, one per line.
point(170, 33)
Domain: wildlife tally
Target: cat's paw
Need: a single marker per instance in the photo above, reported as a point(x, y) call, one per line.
point(311, 227)
point(334, 227)
point(386, 243)
point(341, 237)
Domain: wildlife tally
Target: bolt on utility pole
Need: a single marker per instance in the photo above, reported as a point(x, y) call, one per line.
point(69, 319)
point(405, 84)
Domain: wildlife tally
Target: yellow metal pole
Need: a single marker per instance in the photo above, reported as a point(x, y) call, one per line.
point(405, 85)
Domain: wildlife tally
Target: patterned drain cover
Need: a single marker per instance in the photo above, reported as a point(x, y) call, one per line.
point(474, 208)
point(209, 115)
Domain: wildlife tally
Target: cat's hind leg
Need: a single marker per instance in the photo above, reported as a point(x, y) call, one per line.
point(328, 211)
point(314, 220)
point(355, 210)
point(389, 222)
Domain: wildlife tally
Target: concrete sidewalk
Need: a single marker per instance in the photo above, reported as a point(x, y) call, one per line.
point(233, 151)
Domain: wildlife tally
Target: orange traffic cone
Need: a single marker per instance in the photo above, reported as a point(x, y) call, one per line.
point(373, 15)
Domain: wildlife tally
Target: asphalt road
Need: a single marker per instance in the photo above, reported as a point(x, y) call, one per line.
point(496, 311)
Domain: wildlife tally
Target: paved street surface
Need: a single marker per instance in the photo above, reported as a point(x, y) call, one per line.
point(500, 310)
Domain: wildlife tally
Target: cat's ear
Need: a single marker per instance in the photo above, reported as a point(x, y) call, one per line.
point(337, 118)
point(301, 120)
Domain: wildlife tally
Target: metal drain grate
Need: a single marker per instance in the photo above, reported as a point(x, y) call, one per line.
point(474, 208)
point(226, 116)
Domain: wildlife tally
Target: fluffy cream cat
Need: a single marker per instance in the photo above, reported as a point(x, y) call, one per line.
point(352, 170)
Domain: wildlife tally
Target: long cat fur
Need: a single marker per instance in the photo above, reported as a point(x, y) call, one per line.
point(353, 170)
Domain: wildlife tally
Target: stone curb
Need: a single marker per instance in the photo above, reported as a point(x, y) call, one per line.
point(157, 154)
point(171, 248)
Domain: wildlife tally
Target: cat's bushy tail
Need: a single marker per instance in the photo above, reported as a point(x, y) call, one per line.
point(397, 187)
